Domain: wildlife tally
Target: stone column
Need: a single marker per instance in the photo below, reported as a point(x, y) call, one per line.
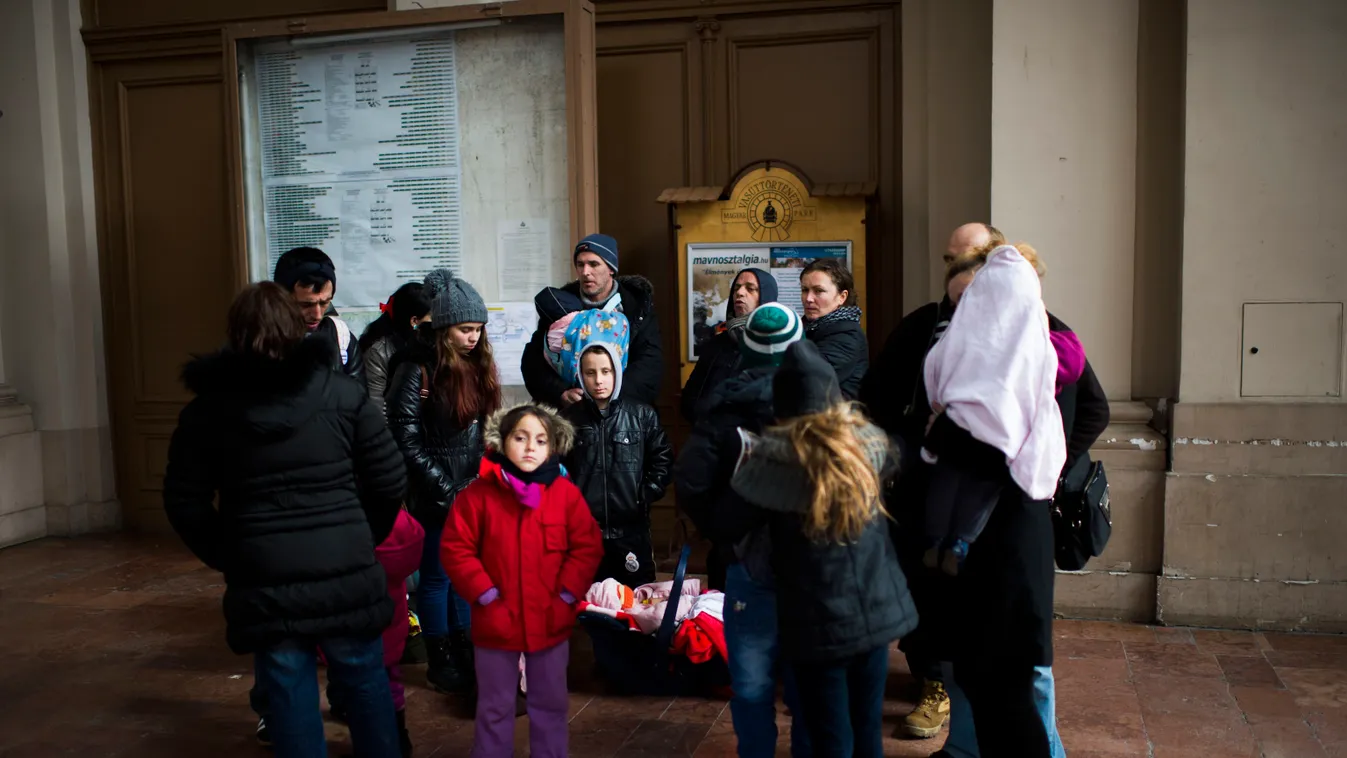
point(58, 452)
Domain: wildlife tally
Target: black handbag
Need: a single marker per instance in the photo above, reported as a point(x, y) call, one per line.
point(1081, 518)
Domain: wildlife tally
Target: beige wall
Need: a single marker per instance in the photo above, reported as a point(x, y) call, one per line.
point(1266, 146)
point(50, 311)
point(1064, 98)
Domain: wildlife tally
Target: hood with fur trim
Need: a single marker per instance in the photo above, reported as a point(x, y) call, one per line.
point(561, 430)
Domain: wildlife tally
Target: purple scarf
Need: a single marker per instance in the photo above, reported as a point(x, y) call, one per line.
point(530, 494)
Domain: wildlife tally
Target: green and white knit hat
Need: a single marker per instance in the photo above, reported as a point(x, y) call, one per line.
point(771, 328)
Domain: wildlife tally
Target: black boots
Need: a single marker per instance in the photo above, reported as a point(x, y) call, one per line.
point(446, 671)
point(461, 653)
point(404, 738)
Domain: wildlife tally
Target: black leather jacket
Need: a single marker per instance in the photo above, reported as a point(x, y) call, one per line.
point(442, 457)
point(622, 462)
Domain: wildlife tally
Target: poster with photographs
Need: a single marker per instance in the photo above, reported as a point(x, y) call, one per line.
point(711, 272)
point(712, 268)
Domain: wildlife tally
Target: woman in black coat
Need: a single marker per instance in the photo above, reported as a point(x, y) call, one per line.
point(389, 334)
point(832, 320)
point(442, 388)
point(308, 481)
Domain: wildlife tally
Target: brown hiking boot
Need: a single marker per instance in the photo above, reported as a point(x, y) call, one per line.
point(931, 713)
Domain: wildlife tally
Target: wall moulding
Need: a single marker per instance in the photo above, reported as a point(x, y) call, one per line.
point(651, 10)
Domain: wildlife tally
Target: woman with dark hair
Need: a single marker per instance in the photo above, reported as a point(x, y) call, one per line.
point(443, 387)
point(832, 321)
point(406, 309)
point(308, 481)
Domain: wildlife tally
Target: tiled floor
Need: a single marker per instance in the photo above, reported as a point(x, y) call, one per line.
point(114, 647)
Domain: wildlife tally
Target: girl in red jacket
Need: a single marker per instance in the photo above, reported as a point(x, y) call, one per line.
point(521, 544)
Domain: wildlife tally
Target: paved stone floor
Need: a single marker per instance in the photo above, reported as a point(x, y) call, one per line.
point(114, 647)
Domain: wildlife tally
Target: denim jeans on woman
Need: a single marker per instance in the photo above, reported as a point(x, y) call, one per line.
point(288, 684)
point(439, 609)
point(963, 742)
point(844, 704)
point(752, 639)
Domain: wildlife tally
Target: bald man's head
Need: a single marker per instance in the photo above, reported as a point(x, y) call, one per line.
point(972, 237)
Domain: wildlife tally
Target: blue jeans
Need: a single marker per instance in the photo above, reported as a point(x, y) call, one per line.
point(439, 608)
point(963, 742)
point(751, 638)
point(844, 704)
point(288, 679)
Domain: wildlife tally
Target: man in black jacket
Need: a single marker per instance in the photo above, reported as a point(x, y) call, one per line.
point(309, 274)
point(622, 462)
point(895, 397)
point(598, 286)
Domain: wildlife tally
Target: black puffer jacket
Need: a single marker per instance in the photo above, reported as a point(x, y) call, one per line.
point(622, 462)
point(645, 357)
point(843, 345)
point(833, 600)
point(442, 457)
point(706, 462)
point(309, 481)
point(717, 361)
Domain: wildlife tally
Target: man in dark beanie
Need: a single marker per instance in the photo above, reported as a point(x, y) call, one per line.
point(598, 285)
point(740, 551)
point(309, 274)
point(718, 357)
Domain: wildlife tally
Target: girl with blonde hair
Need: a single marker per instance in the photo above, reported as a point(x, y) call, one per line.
point(842, 599)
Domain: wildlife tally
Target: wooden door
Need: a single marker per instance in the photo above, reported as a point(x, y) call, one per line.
point(688, 100)
point(167, 266)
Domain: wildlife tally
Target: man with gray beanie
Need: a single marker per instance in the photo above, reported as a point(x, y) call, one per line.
point(598, 285)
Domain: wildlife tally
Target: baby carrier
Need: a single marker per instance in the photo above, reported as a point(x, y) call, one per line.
point(632, 663)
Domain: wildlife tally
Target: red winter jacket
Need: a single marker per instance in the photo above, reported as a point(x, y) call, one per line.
point(529, 555)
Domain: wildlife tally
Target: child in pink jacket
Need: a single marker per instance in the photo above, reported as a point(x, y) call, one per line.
point(400, 555)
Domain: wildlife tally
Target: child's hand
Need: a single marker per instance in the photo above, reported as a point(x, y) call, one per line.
point(572, 396)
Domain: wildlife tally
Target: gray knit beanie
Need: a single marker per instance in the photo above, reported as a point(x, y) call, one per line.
point(452, 300)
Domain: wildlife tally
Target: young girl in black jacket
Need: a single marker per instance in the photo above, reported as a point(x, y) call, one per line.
point(443, 386)
point(841, 597)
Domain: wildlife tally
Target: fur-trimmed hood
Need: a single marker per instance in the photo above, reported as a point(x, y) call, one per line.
point(265, 395)
point(562, 430)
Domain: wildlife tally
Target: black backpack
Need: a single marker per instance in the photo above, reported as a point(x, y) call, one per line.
point(1081, 518)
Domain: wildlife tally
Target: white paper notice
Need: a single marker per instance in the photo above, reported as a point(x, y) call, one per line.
point(523, 257)
point(510, 327)
point(360, 158)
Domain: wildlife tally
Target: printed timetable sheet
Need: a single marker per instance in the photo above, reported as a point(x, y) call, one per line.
point(359, 154)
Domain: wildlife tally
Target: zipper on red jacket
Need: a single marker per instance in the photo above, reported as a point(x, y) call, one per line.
point(523, 613)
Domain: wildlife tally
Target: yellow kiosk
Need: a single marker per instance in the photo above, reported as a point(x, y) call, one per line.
point(770, 217)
